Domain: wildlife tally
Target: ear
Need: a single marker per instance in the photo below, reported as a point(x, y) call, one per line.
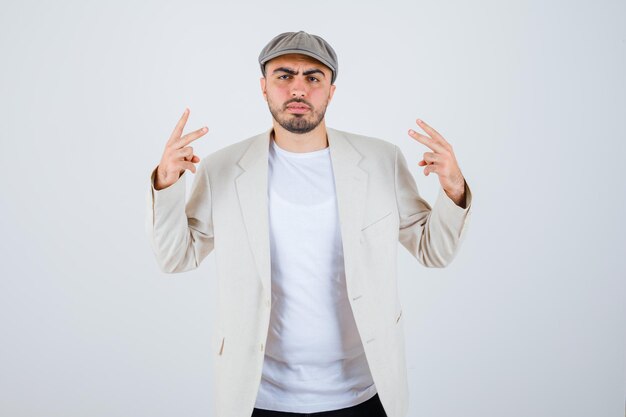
point(263, 88)
point(332, 91)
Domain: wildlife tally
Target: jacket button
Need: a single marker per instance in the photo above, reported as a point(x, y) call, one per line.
point(261, 347)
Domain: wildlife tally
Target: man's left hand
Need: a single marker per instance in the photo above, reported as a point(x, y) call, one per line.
point(442, 162)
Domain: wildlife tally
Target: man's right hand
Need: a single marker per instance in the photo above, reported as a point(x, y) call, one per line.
point(177, 156)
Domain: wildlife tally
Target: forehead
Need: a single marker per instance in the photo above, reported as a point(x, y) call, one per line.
point(295, 61)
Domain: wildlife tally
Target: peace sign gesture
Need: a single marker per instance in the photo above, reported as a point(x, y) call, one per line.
point(442, 162)
point(177, 156)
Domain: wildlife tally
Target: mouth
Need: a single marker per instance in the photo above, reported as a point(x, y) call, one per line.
point(298, 108)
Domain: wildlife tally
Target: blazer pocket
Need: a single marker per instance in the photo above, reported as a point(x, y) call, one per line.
point(375, 226)
point(220, 348)
point(398, 316)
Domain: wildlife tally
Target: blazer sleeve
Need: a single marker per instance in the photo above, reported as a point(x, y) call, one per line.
point(181, 234)
point(431, 235)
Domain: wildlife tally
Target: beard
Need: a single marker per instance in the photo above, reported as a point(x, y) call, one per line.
point(297, 123)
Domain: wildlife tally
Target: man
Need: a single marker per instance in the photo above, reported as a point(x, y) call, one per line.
point(305, 220)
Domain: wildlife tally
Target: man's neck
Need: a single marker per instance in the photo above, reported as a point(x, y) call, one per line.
point(314, 140)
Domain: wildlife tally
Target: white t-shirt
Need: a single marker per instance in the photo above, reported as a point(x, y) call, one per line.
point(314, 358)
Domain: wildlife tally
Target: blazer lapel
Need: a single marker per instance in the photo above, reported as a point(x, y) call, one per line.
point(252, 193)
point(252, 186)
point(351, 188)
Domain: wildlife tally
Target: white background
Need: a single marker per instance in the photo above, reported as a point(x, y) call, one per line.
point(528, 320)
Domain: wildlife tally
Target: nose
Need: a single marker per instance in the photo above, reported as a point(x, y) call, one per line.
point(297, 88)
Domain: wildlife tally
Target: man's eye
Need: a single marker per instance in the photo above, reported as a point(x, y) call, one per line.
point(280, 77)
point(313, 78)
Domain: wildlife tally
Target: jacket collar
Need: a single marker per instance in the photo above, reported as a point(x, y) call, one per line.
point(350, 185)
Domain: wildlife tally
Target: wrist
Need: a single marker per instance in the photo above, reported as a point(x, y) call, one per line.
point(457, 194)
point(160, 180)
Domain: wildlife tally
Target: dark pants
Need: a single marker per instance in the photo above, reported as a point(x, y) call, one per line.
point(369, 408)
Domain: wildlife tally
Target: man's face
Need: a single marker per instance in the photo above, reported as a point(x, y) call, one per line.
point(297, 89)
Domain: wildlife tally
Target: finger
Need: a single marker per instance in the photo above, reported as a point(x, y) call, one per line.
point(430, 157)
point(422, 163)
point(178, 129)
point(190, 137)
point(431, 131)
point(428, 129)
point(425, 140)
point(430, 168)
point(185, 153)
point(187, 165)
point(193, 158)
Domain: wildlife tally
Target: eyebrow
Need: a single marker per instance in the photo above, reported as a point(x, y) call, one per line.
point(292, 72)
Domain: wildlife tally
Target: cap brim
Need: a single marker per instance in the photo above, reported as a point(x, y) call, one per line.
point(298, 51)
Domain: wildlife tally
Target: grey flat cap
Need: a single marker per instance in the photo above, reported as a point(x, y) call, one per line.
point(300, 43)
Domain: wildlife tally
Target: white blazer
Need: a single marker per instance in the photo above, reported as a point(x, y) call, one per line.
point(227, 212)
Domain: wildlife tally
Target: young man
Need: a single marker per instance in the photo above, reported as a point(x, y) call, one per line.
point(305, 220)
